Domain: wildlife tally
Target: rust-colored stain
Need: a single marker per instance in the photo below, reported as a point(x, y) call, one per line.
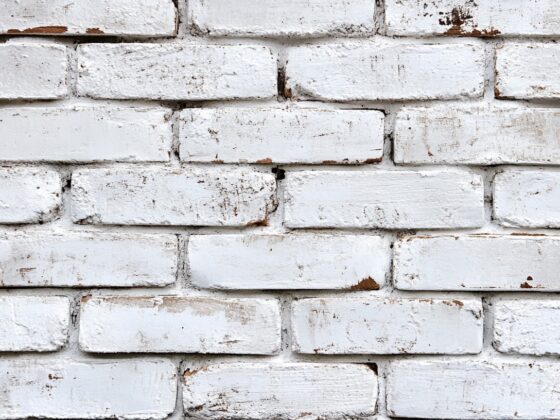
point(496, 92)
point(265, 160)
point(258, 223)
point(288, 93)
point(366, 284)
point(372, 160)
point(329, 162)
point(525, 285)
point(40, 30)
point(454, 302)
point(460, 16)
point(94, 31)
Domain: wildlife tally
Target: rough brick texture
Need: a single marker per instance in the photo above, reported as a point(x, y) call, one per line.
point(279, 209)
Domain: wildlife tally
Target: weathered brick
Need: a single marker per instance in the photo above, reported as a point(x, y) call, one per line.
point(527, 198)
point(527, 326)
point(32, 71)
point(272, 135)
point(466, 389)
point(384, 199)
point(528, 71)
point(155, 195)
point(169, 324)
point(385, 70)
point(280, 391)
point(83, 17)
point(478, 262)
point(175, 72)
point(386, 326)
point(33, 323)
point(287, 18)
point(85, 133)
point(289, 261)
point(76, 259)
point(472, 18)
point(29, 195)
point(477, 134)
point(64, 389)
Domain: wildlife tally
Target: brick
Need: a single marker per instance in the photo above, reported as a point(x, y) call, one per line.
point(32, 71)
point(164, 196)
point(286, 391)
point(288, 18)
point(477, 134)
point(170, 324)
point(528, 71)
point(29, 195)
point(85, 133)
point(527, 198)
point(272, 135)
point(76, 259)
point(260, 262)
point(385, 70)
point(478, 262)
point(64, 389)
point(384, 199)
point(103, 17)
point(527, 326)
point(176, 72)
point(465, 389)
point(470, 18)
point(33, 323)
point(386, 326)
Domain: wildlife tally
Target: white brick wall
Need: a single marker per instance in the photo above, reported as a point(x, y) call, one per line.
point(303, 209)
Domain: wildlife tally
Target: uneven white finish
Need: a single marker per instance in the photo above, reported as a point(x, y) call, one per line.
point(385, 70)
point(75, 259)
point(386, 326)
point(280, 391)
point(153, 195)
point(472, 18)
point(65, 389)
point(527, 198)
point(32, 71)
point(385, 199)
point(285, 18)
point(33, 323)
point(173, 71)
point(472, 389)
point(170, 324)
point(29, 195)
point(85, 133)
point(87, 17)
point(527, 326)
point(272, 135)
point(288, 261)
point(477, 134)
point(528, 71)
point(478, 262)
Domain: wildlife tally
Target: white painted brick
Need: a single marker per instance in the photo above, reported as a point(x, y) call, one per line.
point(170, 324)
point(173, 71)
point(478, 134)
point(289, 261)
point(527, 326)
point(32, 71)
point(528, 71)
point(527, 198)
point(85, 134)
point(29, 195)
point(286, 18)
point(74, 259)
point(65, 389)
point(472, 18)
point(269, 135)
point(478, 262)
point(84, 17)
point(153, 195)
point(385, 70)
point(280, 391)
point(33, 323)
point(473, 390)
point(386, 326)
point(384, 199)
